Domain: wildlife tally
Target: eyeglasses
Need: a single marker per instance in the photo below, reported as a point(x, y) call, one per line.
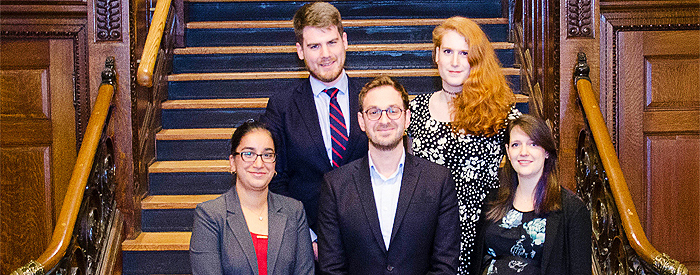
point(391, 113)
point(250, 156)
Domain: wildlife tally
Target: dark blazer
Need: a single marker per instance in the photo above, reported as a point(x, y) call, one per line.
point(567, 241)
point(301, 153)
point(425, 236)
point(221, 242)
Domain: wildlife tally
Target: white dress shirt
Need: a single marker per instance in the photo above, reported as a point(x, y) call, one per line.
point(386, 196)
point(322, 101)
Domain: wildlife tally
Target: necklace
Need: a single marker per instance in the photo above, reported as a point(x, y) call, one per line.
point(260, 217)
point(262, 211)
point(450, 93)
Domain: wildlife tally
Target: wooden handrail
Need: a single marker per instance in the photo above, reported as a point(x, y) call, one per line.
point(144, 73)
point(81, 172)
point(618, 185)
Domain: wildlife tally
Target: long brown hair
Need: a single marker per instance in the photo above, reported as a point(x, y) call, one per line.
point(547, 196)
point(484, 103)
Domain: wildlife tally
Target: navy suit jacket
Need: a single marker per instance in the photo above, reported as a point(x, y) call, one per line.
point(302, 159)
point(425, 235)
point(222, 244)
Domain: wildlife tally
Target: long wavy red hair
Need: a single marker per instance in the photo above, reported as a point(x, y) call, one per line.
point(484, 103)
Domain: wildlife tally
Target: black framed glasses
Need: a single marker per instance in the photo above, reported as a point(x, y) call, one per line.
point(250, 156)
point(376, 113)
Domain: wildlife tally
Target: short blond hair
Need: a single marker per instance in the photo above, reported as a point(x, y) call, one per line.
point(317, 14)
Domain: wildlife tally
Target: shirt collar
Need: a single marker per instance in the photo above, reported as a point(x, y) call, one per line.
point(317, 86)
point(399, 167)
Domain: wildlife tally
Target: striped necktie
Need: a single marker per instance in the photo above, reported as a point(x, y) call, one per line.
point(339, 137)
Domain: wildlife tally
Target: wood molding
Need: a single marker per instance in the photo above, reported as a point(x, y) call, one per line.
point(609, 47)
point(76, 33)
point(579, 18)
point(108, 20)
point(43, 9)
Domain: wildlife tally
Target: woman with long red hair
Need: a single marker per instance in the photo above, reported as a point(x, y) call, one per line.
point(461, 126)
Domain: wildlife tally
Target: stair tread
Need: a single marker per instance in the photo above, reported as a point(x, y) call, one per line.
point(305, 74)
point(229, 103)
point(189, 134)
point(175, 201)
point(225, 103)
point(346, 23)
point(293, 49)
point(158, 241)
point(194, 166)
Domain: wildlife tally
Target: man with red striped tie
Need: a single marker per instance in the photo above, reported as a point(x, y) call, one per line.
point(315, 122)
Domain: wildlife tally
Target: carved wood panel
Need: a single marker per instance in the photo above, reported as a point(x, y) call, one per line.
point(659, 136)
point(37, 148)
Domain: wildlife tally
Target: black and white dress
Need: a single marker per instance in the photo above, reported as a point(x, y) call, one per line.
point(473, 161)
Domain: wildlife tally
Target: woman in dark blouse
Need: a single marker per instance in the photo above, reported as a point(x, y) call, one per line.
point(249, 230)
point(531, 225)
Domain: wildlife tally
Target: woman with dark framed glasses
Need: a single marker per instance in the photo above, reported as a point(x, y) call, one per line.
point(249, 230)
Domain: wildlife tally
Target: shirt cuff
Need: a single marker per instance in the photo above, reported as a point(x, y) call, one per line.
point(313, 235)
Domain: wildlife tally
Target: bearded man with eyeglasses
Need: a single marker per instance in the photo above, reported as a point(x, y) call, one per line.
point(388, 211)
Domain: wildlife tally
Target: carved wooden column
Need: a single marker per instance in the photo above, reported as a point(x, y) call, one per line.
point(112, 31)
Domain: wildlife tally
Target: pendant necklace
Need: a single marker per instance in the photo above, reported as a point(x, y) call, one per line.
point(262, 212)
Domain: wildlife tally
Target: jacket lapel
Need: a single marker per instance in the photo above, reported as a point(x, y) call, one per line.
point(306, 106)
point(408, 185)
point(553, 220)
point(237, 224)
point(355, 133)
point(363, 184)
point(277, 222)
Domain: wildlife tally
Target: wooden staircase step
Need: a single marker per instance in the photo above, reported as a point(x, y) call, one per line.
point(228, 103)
point(293, 49)
point(232, 103)
point(305, 74)
point(346, 23)
point(191, 134)
point(175, 201)
point(190, 166)
point(158, 241)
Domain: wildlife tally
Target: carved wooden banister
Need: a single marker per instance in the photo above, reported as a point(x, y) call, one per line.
point(150, 50)
point(613, 174)
point(65, 224)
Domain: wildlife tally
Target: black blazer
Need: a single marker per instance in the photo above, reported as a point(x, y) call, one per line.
point(425, 235)
point(567, 241)
point(302, 159)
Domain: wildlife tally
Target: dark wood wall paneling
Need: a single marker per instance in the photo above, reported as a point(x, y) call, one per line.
point(651, 99)
point(45, 105)
point(76, 36)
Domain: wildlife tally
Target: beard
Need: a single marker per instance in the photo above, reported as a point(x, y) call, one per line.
point(385, 145)
point(328, 76)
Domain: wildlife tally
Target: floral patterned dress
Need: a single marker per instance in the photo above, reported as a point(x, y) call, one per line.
point(473, 161)
point(515, 243)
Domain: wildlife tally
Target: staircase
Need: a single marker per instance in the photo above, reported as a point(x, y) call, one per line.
point(237, 54)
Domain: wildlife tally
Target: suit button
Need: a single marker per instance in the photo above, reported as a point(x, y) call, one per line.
point(389, 268)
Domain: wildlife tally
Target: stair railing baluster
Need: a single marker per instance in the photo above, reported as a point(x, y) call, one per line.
point(89, 199)
point(601, 184)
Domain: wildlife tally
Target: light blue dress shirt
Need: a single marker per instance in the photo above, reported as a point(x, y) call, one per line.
point(322, 101)
point(386, 196)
